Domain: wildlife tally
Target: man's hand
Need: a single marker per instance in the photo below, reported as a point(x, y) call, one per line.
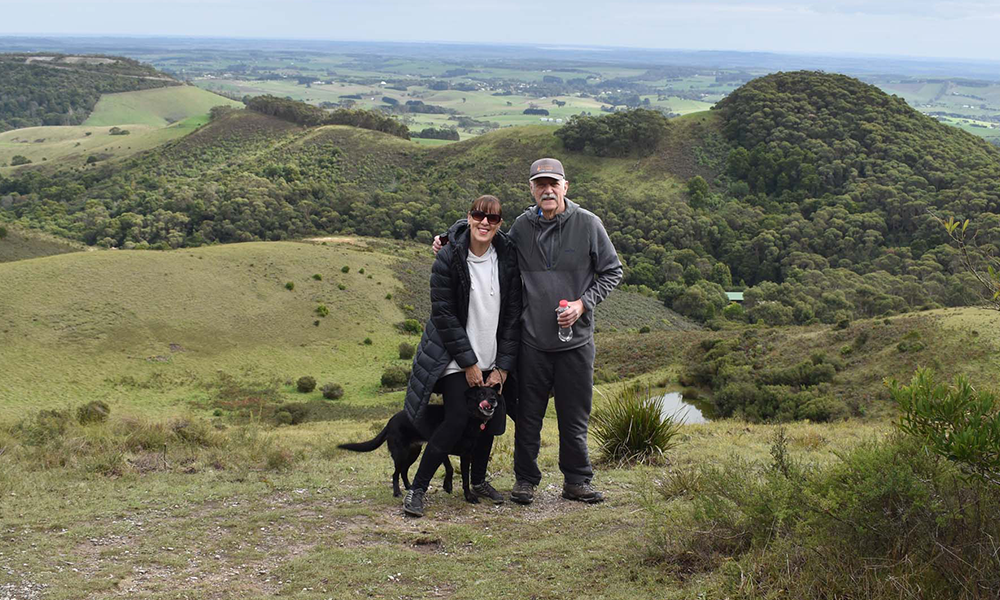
point(573, 311)
point(497, 377)
point(473, 376)
point(437, 244)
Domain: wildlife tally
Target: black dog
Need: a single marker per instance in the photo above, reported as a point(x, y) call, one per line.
point(405, 441)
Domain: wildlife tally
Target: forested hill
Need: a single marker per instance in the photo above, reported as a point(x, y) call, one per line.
point(54, 89)
point(812, 189)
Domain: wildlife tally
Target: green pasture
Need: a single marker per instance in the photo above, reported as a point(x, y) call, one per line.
point(148, 331)
point(151, 117)
point(157, 107)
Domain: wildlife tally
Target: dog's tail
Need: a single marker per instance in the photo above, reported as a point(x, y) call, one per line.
point(370, 444)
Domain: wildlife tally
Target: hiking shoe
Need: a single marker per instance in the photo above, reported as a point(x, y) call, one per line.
point(582, 492)
point(523, 492)
point(413, 503)
point(485, 490)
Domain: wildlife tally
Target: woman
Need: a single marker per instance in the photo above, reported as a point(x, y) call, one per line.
point(471, 339)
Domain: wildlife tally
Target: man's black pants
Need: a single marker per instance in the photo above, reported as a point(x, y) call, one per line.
point(570, 374)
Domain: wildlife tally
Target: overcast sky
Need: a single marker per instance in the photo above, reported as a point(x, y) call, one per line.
point(966, 29)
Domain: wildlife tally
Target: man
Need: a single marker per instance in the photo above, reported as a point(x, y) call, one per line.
point(563, 253)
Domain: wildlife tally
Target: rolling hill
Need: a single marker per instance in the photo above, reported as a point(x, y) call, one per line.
point(151, 118)
point(819, 193)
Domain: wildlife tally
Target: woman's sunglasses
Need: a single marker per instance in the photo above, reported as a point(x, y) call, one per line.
point(479, 215)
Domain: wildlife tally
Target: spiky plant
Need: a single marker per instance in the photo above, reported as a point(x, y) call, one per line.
point(631, 426)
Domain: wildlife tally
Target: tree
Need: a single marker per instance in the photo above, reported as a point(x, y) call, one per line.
point(982, 263)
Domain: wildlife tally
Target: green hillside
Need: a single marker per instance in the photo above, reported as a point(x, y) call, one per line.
point(19, 244)
point(153, 331)
point(151, 118)
point(816, 194)
point(56, 89)
point(157, 107)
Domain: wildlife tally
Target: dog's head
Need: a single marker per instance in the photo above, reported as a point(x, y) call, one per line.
point(482, 402)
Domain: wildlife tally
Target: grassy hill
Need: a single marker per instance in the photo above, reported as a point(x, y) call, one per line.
point(20, 244)
point(157, 107)
point(153, 331)
point(56, 89)
point(152, 118)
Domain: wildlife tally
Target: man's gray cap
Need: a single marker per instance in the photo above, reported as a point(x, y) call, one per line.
point(547, 167)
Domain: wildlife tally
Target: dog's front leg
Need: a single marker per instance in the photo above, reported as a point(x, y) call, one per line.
point(466, 464)
point(449, 475)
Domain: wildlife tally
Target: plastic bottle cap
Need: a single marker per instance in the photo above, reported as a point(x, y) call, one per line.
point(563, 304)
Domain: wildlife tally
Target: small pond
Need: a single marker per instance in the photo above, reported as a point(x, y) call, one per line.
point(673, 404)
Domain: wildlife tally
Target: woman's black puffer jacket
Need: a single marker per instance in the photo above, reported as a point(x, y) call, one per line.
point(444, 336)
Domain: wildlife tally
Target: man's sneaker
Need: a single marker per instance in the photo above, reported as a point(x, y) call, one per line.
point(582, 492)
point(523, 492)
point(413, 503)
point(485, 490)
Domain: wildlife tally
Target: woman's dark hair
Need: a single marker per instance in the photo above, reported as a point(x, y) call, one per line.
point(487, 204)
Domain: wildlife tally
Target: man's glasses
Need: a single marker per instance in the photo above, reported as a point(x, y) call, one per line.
point(479, 215)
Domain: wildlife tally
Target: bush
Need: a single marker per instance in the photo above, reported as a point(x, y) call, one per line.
point(333, 391)
point(395, 376)
point(412, 326)
point(885, 519)
point(368, 341)
point(406, 351)
point(632, 428)
point(322, 310)
point(345, 269)
point(318, 277)
point(957, 422)
point(94, 411)
point(18, 159)
point(290, 286)
point(292, 413)
point(305, 384)
point(644, 329)
point(341, 287)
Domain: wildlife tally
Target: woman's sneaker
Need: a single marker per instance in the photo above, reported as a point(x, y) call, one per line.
point(582, 492)
point(413, 503)
point(485, 490)
point(523, 492)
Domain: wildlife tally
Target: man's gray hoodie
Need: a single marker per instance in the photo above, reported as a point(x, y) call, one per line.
point(568, 257)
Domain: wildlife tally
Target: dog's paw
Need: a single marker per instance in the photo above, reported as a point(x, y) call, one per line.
point(471, 498)
point(397, 494)
point(447, 487)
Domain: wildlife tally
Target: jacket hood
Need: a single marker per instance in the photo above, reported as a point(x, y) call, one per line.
point(534, 214)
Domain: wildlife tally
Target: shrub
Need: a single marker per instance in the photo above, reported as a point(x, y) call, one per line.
point(3, 232)
point(341, 287)
point(406, 351)
point(18, 159)
point(412, 326)
point(94, 411)
point(388, 296)
point(361, 270)
point(395, 376)
point(957, 422)
point(322, 310)
point(333, 391)
point(318, 277)
point(305, 384)
point(292, 413)
point(368, 341)
point(631, 427)
point(644, 329)
point(345, 269)
point(290, 286)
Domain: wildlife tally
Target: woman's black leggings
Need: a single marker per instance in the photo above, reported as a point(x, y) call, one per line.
point(448, 434)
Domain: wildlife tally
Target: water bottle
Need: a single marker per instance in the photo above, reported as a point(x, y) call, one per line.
point(565, 333)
